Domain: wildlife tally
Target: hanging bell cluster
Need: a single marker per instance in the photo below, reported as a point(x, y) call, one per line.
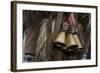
point(67, 41)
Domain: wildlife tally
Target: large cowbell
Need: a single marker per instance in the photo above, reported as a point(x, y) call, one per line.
point(60, 40)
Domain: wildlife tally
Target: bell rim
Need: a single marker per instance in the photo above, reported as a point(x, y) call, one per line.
point(72, 48)
point(56, 44)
